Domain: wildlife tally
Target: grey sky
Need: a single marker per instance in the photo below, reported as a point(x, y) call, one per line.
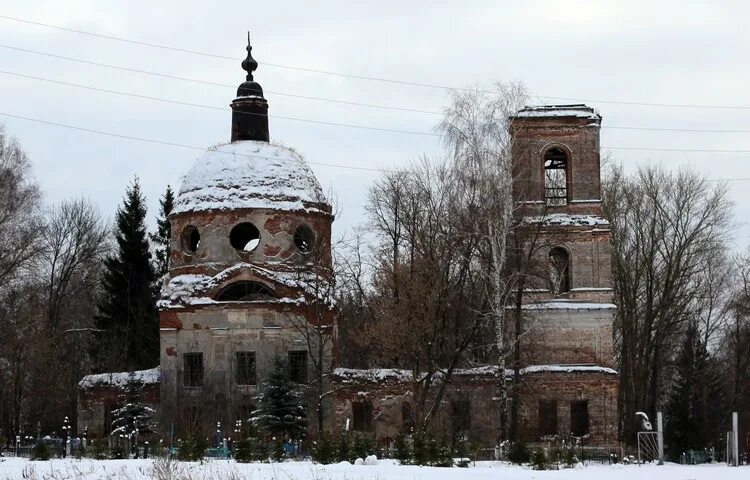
point(655, 52)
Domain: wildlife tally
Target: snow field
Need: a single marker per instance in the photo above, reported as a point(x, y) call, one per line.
point(71, 469)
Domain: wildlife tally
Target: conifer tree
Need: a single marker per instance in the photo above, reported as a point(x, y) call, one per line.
point(134, 416)
point(163, 232)
point(281, 411)
point(695, 405)
point(127, 309)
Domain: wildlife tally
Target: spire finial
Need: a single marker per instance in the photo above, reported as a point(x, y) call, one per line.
point(249, 64)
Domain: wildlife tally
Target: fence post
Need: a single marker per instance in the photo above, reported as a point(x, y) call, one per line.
point(735, 440)
point(660, 437)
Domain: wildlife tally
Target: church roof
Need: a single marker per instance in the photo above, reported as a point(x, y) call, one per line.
point(542, 111)
point(250, 175)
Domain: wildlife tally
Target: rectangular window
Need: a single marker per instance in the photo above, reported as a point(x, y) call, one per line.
point(192, 364)
point(362, 416)
point(547, 418)
point(245, 368)
point(579, 417)
point(460, 416)
point(298, 366)
point(244, 412)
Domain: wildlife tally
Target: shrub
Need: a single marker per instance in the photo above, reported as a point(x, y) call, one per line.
point(362, 445)
point(342, 453)
point(419, 449)
point(80, 451)
point(192, 448)
point(41, 451)
point(117, 452)
point(277, 450)
point(99, 449)
point(569, 458)
point(403, 451)
point(519, 453)
point(324, 450)
point(539, 460)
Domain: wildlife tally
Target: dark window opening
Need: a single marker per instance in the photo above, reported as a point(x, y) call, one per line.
point(298, 366)
point(460, 416)
point(579, 418)
point(556, 177)
point(190, 239)
point(407, 417)
point(559, 275)
point(245, 373)
point(194, 415)
point(304, 239)
point(193, 369)
point(547, 418)
point(362, 416)
point(244, 236)
point(245, 291)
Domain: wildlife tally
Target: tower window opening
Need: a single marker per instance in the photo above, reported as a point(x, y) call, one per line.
point(244, 237)
point(304, 239)
point(245, 291)
point(559, 275)
point(190, 239)
point(556, 177)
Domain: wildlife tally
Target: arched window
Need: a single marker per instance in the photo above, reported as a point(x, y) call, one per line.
point(559, 270)
point(245, 291)
point(556, 176)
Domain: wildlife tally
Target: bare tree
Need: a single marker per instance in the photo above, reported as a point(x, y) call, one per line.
point(666, 228)
point(19, 210)
point(74, 242)
point(477, 131)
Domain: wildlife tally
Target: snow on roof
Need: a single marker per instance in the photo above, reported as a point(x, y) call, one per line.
point(381, 375)
point(193, 289)
point(250, 174)
point(539, 111)
point(561, 368)
point(120, 379)
point(568, 305)
point(372, 375)
point(567, 220)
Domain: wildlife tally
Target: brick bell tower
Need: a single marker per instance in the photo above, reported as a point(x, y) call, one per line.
point(569, 386)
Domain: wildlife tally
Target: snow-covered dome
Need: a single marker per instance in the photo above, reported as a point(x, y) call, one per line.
point(250, 174)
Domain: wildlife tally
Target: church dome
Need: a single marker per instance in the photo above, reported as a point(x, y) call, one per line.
point(250, 175)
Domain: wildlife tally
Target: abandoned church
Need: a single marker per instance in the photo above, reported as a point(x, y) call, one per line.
point(250, 278)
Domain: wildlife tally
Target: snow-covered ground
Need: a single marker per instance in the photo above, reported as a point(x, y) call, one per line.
point(12, 468)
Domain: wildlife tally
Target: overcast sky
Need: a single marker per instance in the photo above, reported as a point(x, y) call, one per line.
point(652, 52)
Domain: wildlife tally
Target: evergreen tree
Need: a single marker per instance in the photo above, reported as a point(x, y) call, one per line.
point(695, 405)
point(160, 239)
point(127, 310)
point(133, 416)
point(281, 411)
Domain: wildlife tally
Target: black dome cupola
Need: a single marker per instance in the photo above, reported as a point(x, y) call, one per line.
point(250, 108)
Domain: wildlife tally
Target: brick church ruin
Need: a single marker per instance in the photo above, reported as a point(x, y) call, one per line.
point(250, 268)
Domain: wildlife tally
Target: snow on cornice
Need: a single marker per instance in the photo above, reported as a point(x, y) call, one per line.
point(383, 375)
point(568, 220)
point(541, 111)
point(568, 305)
point(192, 289)
point(120, 379)
point(250, 175)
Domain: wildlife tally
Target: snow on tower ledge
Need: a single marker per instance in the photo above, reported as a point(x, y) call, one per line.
point(576, 110)
point(250, 175)
point(120, 379)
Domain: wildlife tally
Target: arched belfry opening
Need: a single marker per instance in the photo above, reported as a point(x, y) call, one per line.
point(559, 271)
point(556, 177)
point(245, 291)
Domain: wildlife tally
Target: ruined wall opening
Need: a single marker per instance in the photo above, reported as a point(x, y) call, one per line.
point(579, 418)
point(362, 416)
point(245, 368)
point(245, 291)
point(556, 177)
point(193, 369)
point(547, 425)
point(298, 366)
point(190, 239)
point(559, 270)
point(304, 239)
point(244, 237)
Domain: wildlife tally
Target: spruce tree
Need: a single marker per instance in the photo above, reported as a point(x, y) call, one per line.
point(160, 239)
point(281, 411)
point(134, 416)
point(127, 309)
